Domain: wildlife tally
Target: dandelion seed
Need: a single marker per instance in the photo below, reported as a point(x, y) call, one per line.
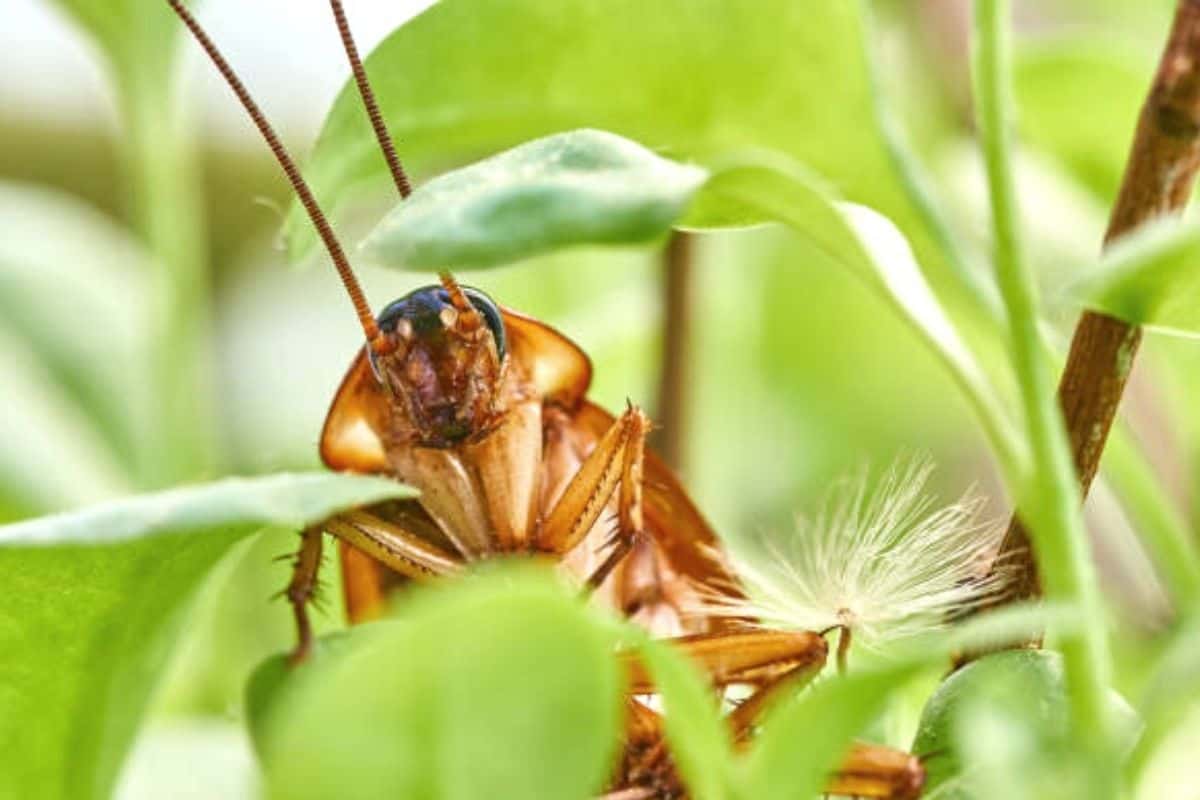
point(885, 563)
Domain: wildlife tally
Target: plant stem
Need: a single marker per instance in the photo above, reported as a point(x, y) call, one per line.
point(1050, 500)
point(168, 211)
point(670, 439)
point(1158, 181)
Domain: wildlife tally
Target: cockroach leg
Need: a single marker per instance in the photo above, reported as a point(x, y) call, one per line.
point(393, 546)
point(301, 589)
point(633, 793)
point(867, 771)
point(754, 657)
point(749, 711)
point(870, 770)
point(630, 516)
point(617, 459)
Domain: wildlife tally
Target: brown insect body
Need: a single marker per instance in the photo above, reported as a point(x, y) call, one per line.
point(485, 412)
point(495, 430)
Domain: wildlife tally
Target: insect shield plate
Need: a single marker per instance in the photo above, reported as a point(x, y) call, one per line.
point(580, 187)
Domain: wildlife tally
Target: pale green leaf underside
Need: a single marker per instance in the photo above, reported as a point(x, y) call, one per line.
point(582, 187)
point(1151, 278)
point(93, 601)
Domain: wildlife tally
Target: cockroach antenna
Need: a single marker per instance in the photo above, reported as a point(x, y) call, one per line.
point(386, 144)
point(375, 339)
point(368, 97)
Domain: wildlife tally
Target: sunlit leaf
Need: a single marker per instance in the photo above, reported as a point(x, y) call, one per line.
point(73, 286)
point(1029, 685)
point(693, 79)
point(504, 686)
point(874, 250)
point(51, 454)
point(1150, 278)
point(698, 737)
point(582, 187)
point(1062, 112)
point(1171, 697)
point(803, 740)
point(138, 36)
point(94, 601)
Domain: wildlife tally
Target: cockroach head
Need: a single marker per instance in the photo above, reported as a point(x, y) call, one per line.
point(443, 365)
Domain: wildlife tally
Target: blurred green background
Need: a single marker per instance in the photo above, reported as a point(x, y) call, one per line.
point(798, 374)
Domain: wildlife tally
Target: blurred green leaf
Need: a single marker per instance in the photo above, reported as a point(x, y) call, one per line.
point(581, 187)
point(1029, 685)
point(697, 735)
point(692, 78)
point(803, 739)
point(1149, 278)
point(94, 601)
point(874, 250)
point(1079, 100)
point(1172, 694)
point(73, 286)
point(1156, 516)
point(500, 686)
point(138, 36)
point(51, 454)
point(275, 681)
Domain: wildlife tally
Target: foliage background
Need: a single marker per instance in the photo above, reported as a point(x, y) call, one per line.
point(800, 374)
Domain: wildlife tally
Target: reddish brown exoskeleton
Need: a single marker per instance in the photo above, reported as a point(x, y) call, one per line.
point(484, 410)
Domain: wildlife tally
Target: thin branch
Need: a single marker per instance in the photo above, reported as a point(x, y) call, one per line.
point(1158, 181)
point(674, 378)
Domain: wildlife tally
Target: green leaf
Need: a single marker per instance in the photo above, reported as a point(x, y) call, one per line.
point(1063, 114)
point(51, 454)
point(497, 686)
point(582, 187)
point(695, 78)
point(1172, 693)
point(94, 338)
point(1029, 685)
point(1149, 278)
point(94, 601)
point(874, 250)
point(803, 740)
point(697, 735)
point(138, 36)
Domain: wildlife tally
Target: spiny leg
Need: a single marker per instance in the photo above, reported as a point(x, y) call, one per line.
point(301, 589)
point(753, 656)
point(393, 545)
point(630, 519)
point(774, 661)
point(387, 543)
point(617, 460)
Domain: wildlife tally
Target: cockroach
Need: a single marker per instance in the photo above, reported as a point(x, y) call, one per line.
point(484, 411)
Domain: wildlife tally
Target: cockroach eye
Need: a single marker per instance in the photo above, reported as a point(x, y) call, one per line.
point(491, 317)
point(425, 311)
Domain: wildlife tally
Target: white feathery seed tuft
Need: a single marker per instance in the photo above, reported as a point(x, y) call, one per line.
point(885, 563)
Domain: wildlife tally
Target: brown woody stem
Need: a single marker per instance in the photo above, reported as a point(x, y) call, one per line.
point(671, 412)
point(1158, 181)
